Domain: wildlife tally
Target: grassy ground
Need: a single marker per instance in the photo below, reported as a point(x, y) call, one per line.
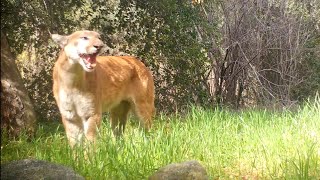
point(252, 144)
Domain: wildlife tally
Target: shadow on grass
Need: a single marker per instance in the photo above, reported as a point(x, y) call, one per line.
point(47, 128)
point(23, 146)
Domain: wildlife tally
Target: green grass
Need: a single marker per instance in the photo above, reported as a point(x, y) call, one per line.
point(252, 144)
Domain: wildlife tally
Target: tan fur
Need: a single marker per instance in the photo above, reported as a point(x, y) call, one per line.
point(83, 92)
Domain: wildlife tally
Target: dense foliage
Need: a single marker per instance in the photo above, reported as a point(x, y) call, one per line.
point(235, 53)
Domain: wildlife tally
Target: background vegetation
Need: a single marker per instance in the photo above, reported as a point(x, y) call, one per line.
point(209, 53)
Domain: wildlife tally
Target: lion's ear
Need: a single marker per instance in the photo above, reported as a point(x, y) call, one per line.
point(61, 40)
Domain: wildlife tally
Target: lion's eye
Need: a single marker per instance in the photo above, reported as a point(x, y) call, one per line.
point(84, 38)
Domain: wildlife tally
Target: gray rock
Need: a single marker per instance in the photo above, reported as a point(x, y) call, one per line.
point(29, 169)
point(189, 170)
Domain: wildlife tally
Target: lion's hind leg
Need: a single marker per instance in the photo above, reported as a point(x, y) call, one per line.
point(144, 110)
point(119, 116)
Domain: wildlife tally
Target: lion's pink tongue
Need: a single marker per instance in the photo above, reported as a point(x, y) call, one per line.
point(91, 59)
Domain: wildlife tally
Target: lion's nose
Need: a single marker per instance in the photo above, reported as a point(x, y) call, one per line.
point(98, 45)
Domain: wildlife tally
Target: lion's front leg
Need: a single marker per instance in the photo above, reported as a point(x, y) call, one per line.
point(90, 126)
point(74, 130)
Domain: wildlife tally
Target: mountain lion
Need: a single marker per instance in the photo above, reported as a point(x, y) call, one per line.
point(86, 85)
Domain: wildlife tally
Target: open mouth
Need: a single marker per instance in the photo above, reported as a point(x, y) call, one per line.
point(89, 60)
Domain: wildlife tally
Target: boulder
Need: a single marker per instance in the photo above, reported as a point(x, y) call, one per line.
point(29, 169)
point(189, 170)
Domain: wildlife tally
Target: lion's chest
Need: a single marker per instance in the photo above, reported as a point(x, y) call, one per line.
point(74, 103)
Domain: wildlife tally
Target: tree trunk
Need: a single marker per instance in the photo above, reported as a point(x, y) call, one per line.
point(17, 114)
